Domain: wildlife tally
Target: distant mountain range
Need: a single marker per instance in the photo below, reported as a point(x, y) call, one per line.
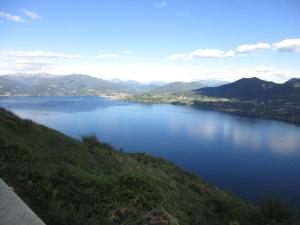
point(81, 85)
point(177, 87)
point(78, 84)
point(180, 87)
point(75, 84)
point(254, 89)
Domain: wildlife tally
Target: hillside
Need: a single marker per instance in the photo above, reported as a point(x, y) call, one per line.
point(10, 85)
point(252, 97)
point(244, 89)
point(254, 89)
point(174, 93)
point(66, 181)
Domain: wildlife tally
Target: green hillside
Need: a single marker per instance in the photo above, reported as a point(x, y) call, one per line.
point(255, 89)
point(66, 182)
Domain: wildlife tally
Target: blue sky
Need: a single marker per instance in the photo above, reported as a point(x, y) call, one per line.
point(149, 40)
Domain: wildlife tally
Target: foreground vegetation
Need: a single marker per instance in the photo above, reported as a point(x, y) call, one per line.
point(66, 181)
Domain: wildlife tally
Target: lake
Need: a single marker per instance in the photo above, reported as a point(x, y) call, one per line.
point(252, 158)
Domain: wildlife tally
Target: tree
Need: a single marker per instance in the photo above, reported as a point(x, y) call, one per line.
point(91, 141)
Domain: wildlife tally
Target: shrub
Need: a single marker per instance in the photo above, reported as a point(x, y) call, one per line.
point(275, 212)
point(91, 141)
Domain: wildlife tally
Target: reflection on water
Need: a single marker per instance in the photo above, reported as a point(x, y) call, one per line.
point(252, 134)
point(252, 158)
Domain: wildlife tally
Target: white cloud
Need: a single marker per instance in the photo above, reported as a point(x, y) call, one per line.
point(230, 53)
point(37, 54)
point(288, 45)
point(13, 18)
point(108, 56)
point(207, 53)
point(184, 14)
point(161, 4)
point(114, 55)
point(179, 56)
point(31, 14)
point(202, 53)
point(250, 48)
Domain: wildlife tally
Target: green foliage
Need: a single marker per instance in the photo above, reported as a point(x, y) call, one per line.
point(91, 141)
point(275, 212)
point(65, 182)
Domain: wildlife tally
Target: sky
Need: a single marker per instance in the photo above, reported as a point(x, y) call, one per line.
point(152, 40)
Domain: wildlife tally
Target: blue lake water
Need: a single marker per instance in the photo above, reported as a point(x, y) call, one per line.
point(250, 157)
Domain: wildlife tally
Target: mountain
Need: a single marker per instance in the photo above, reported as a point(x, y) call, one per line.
point(29, 79)
point(79, 84)
point(177, 87)
point(158, 83)
point(137, 86)
point(212, 82)
point(289, 90)
point(11, 86)
point(295, 82)
point(66, 181)
point(75, 84)
point(254, 89)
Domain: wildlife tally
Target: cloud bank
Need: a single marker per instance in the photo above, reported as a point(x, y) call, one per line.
point(250, 48)
point(287, 45)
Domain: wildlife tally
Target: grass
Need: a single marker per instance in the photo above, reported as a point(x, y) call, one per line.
point(66, 181)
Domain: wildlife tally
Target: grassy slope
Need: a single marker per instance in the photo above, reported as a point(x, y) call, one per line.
point(66, 182)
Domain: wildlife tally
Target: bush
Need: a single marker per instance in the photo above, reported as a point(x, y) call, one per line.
point(91, 141)
point(275, 212)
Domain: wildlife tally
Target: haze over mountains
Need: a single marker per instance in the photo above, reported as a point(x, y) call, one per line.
point(78, 84)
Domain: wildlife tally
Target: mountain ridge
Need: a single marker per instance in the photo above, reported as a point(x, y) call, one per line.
point(73, 84)
point(253, 89)
point(82, 84)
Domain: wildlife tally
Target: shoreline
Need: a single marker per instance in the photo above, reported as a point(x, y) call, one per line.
point(231, 108)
